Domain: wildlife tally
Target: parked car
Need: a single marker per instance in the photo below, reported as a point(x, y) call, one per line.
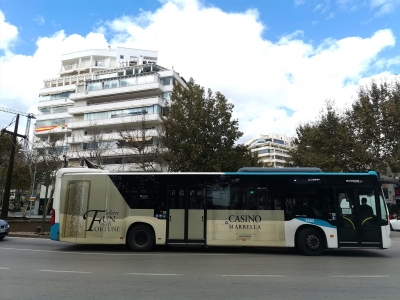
point(395, 224)
point(4, 229)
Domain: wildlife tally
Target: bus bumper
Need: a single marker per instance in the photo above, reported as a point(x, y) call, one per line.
point(55, 232)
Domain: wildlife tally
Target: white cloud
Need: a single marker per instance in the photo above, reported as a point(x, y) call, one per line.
point(347, 5)
point(330, 16)
point(39, 19)
point(384, 6)
point(8, 33)
point(224, 52)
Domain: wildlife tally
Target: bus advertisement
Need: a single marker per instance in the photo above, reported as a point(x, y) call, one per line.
point(255, 207)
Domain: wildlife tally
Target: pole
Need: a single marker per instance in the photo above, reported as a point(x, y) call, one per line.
point(7, 188)
point(44, 212)
point(32, 189)
point(46, 183)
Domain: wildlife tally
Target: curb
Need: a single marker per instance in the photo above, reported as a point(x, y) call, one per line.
point(29, 235)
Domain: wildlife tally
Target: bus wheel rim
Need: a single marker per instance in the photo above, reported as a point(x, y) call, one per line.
point(312, 242)
point(141, 238)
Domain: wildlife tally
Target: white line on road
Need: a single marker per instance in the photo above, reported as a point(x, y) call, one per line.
point(252, 275)
point(153, 274)
point(57, 271)
point(360, 276)
point(2, 268)
point(121, 254)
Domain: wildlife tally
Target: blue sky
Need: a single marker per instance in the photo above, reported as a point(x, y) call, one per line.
point(281, 39)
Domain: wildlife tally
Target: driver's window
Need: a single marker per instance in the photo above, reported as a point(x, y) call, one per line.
point(367, 203)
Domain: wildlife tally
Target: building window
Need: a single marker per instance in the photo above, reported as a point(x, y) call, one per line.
point(127, 81)
point(55, 96)
point(110, 84)
point(99, 63)
point(166, 81)
point(121, 57)
point(93, 86)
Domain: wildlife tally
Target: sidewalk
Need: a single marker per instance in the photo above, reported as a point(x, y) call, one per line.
point(32, 216)
point(29, 234)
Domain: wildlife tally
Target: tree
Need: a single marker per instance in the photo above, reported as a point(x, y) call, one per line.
point(328, 143)
point(374, 120)
point(140, 144)
point(20, 178)
point(92, 143)
point(365, 136)
point(199, 133)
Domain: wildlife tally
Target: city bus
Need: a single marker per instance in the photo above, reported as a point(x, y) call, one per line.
point(303, 208)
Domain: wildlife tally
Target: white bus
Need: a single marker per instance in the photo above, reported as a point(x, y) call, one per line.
point(256, 207)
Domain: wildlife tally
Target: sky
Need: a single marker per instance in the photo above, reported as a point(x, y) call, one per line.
point(276, 61)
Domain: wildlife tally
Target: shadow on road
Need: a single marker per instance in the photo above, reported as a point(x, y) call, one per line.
point(232, 250)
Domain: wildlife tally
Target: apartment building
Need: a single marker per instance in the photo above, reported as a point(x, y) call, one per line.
point(272, 148)
point(100, 97)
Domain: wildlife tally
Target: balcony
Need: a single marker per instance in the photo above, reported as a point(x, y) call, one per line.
point(115, 105)
point(114, 121)
point(57, 89)
point(63, 115)
point(146, 89)
point(60, 129)
point(58, 102)
point(66, 80)
point(76, 138)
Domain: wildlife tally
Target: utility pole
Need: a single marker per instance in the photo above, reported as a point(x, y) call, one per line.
point(7, 188)
point(47, 182)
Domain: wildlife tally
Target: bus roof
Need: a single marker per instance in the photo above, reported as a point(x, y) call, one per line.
point(63, 171)
point(242, 171)
point(279, 170)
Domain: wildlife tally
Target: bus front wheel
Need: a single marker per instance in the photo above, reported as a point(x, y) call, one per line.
point(141, 238)
point(310, 242)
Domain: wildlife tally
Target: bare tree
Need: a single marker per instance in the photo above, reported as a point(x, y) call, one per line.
point(44, 157)
point(140, 143)
point(94, 143)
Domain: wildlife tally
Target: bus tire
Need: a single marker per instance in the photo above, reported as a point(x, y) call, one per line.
point(310, 242)
point(141, 238)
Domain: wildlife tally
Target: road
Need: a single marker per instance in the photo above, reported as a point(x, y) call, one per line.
point(43, 269)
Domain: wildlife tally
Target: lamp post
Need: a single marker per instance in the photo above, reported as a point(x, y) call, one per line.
point(32, 188)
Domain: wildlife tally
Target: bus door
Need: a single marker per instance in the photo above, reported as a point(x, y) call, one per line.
point(186, 214)
point(358, 217)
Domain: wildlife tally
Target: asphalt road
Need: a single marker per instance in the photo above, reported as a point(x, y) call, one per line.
point(43, 269)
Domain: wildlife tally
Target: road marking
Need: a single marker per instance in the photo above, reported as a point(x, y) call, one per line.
point(153, 274)
point(57, 271)
point(361, 276)
point(252, 275)
point(2, 268)
point(120, 254)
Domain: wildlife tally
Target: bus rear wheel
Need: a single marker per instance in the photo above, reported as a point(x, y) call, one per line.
point(141, 238)
point(310, 242)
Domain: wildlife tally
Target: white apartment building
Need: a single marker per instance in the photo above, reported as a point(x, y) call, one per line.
point(272, 148)
point(98, 95)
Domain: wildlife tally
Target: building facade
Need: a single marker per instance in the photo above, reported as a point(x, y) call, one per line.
point(273, 149)
point(101, 99)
